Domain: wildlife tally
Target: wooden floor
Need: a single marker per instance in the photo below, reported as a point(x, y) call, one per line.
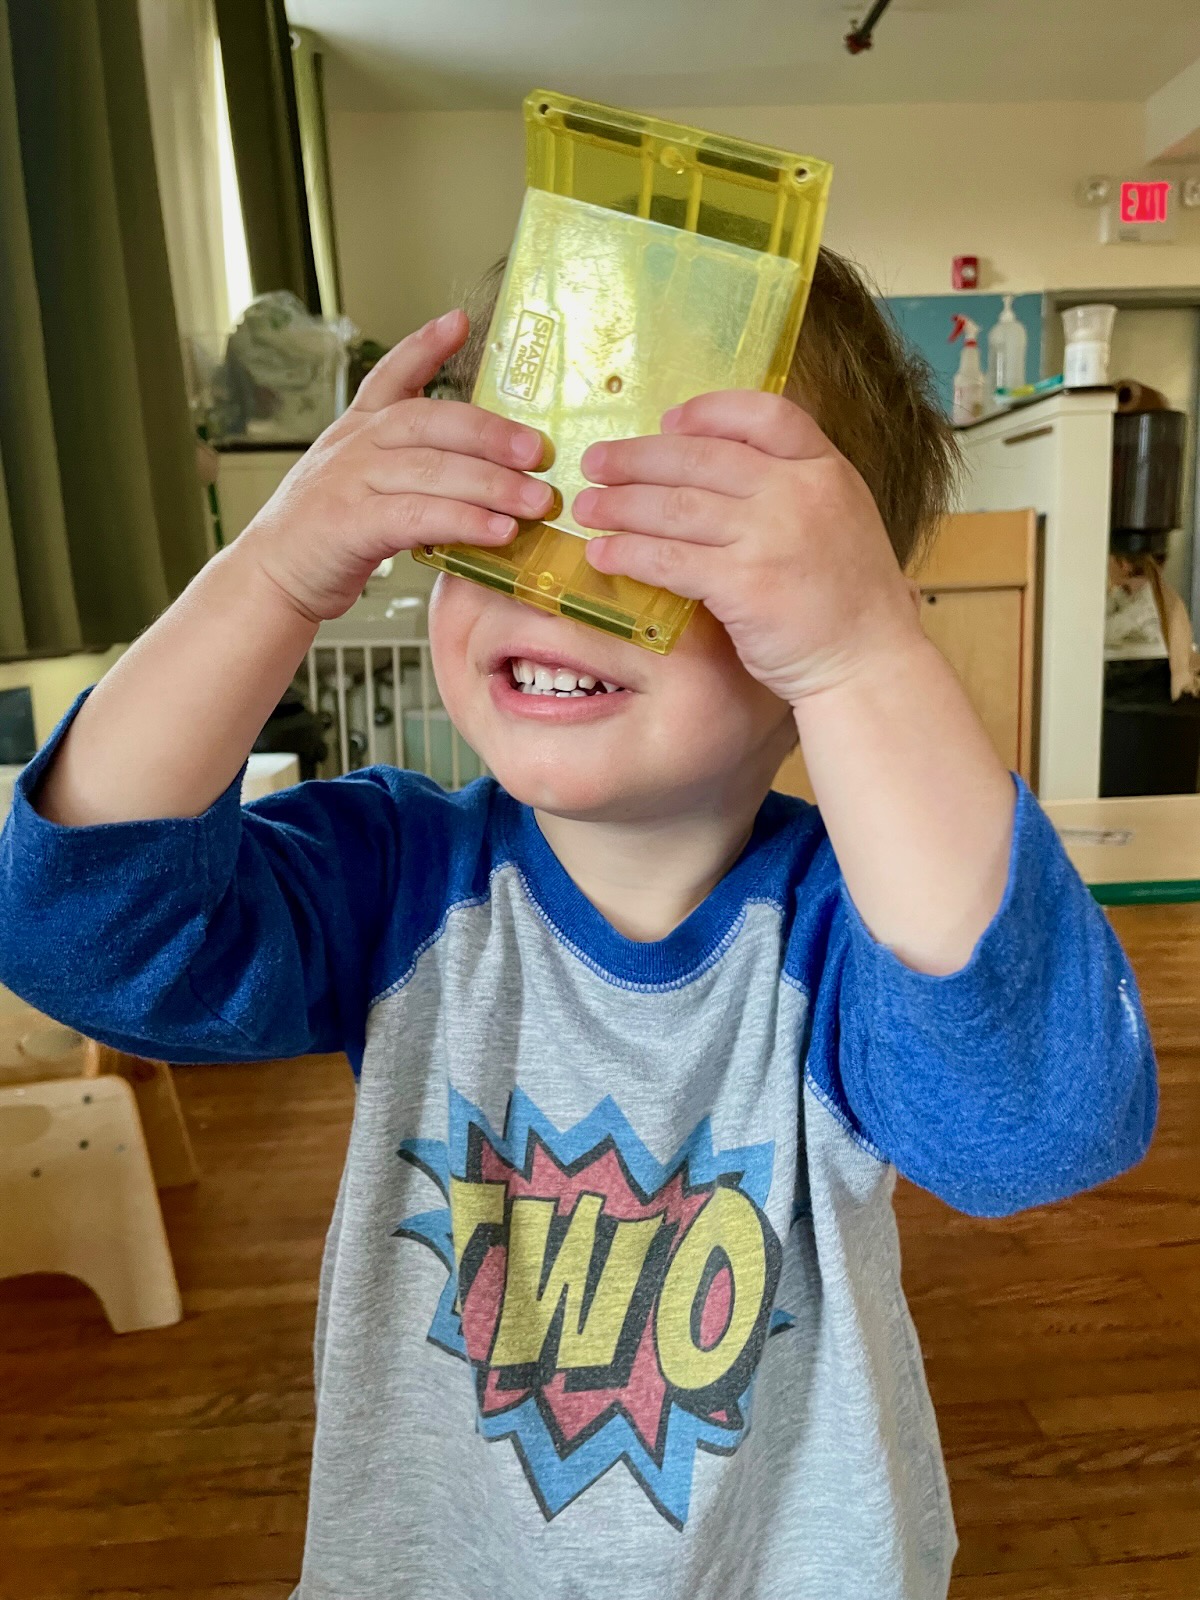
point(1063, 1345)
point(1063, 1349)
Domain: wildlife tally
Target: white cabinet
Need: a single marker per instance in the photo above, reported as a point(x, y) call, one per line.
point(1055, 457)
point(246, 480)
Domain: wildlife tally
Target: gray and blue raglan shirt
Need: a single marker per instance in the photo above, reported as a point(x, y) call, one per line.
point(611, 1305)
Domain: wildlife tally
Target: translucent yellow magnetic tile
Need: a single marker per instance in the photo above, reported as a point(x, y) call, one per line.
point(607, 317)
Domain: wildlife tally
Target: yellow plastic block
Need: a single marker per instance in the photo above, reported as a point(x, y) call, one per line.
point(652, 262)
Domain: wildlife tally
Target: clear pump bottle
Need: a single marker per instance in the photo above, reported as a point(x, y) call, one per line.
point(1007, 344)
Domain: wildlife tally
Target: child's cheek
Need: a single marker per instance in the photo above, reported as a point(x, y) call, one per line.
point(455, 607)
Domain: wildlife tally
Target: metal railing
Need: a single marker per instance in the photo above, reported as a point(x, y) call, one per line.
point(378, 701)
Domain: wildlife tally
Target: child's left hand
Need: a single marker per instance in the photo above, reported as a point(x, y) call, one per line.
point(743, 503)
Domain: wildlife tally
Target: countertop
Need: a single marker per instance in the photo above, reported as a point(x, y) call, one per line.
point(264, 774)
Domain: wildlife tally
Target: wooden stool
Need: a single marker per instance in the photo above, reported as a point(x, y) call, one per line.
point(77, 1195)
point(87, 1137)
point(34, 1048)
point(158, 1106)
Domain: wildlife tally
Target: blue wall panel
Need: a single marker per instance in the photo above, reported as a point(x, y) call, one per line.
point(925, 321)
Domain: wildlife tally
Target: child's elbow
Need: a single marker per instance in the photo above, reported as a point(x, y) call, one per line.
point(1089, 1123)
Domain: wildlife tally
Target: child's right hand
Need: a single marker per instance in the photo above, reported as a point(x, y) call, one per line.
point(394, 471)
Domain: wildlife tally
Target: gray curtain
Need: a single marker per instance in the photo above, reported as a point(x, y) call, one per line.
point(101, 523)
point(260, 90)
point(308, 72)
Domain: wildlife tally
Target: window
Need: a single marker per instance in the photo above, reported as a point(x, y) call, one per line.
point(238, 284)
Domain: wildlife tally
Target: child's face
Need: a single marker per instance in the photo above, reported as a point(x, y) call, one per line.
point(679, 734)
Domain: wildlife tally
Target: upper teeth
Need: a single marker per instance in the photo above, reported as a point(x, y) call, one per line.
point(532, 678)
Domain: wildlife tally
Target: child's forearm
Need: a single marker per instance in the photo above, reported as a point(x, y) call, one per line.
point(167, 729)
point(917, 804)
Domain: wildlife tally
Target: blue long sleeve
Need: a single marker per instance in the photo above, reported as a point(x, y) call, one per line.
point(263, 931)
point(240, 934)
point(1025, 1077)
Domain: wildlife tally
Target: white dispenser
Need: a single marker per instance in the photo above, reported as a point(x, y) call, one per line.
point(1088, 331)
point(1007, 345)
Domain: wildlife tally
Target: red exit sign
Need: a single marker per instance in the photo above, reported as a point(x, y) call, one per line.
point(1145, 202)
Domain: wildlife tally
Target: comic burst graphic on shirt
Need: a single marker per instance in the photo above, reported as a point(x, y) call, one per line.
point(612, 1307)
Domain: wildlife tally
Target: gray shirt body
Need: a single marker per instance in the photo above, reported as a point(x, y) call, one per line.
point(611, 1303)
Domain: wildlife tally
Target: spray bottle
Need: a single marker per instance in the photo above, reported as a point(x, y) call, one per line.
point(970, 385)
point(1006, 352)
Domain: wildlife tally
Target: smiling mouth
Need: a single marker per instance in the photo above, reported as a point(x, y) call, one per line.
point(541, 678)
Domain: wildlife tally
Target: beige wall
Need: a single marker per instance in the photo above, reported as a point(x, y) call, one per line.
point(425, 200)
point(55, 683)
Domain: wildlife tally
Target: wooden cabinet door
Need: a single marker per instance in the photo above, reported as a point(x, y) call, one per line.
point(979, 633)
point(979, 606)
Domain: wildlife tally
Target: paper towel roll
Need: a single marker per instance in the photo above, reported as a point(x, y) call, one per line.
point(1135, 396)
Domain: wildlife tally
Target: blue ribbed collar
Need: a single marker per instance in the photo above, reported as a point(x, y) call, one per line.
point(690, 948)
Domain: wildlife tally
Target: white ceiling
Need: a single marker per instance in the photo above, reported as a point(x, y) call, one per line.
point(487, 54)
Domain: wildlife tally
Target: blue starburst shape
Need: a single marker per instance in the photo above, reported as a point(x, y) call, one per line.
point(612, 1307)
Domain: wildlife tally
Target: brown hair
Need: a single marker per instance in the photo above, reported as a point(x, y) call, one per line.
point(870, 393)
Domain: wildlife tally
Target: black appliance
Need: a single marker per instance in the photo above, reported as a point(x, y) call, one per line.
point(1150, 744)
point(1147, 479)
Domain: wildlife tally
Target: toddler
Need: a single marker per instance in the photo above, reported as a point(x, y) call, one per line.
point(611, 1303)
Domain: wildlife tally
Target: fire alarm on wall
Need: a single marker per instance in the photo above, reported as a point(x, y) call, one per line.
point(965, 274)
